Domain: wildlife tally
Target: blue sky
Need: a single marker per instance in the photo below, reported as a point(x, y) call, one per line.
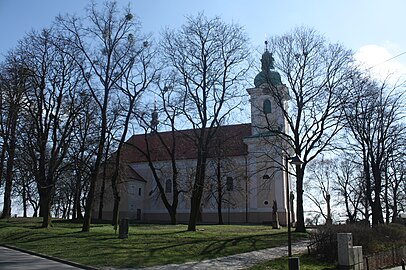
point(374, 28)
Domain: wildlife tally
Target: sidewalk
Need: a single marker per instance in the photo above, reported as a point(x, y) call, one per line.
point(238, 261)
point(18, 260)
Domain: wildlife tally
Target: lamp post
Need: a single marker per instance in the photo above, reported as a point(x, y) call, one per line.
point(295, 161)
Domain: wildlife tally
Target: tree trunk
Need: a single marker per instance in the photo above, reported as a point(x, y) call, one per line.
point(8, 187)
point(329, 220)
point(24, 195)
point(103, 185)
point(95, 172)
point(41, 204)
point(219, 212)
point(118, 175)
point(46, 207)
point(377, 215)
point(87, 220)
point(376, 205)
point(366, 210)
point(116, 214)
point(69, 206)
point(36, 208)
point(197, 191)
point(395, 200)
point(114, 187)
point(76, 209)
point(219, 194)
point(3, 156)
point(194, 211)
point(64, 211)
point(10, 167)
point(101, 198)
point(386, 196)
point(172, 214)
point(300, 225)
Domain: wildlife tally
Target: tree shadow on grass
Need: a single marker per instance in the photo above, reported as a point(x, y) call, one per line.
point(251, 243)
point(213, 248)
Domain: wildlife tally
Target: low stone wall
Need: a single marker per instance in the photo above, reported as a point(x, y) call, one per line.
point(385, 258)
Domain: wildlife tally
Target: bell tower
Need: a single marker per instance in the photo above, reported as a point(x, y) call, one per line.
point(265, 148)
point(267, 98)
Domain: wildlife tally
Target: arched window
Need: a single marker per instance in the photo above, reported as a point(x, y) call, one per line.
point(266, 182)
point(168, 186)
point(230, 183)
point(267, 106)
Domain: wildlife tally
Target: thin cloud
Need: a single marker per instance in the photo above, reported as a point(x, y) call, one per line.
point(380, 62)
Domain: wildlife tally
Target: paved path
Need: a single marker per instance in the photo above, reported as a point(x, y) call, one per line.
point(11, 259)
point(238, 261)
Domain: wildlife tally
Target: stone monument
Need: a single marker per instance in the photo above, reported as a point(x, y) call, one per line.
point(275, 219)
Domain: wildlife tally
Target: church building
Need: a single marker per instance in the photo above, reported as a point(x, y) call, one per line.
point(245, 179)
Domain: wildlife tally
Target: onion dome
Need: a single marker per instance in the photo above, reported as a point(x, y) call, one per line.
point(268, 73)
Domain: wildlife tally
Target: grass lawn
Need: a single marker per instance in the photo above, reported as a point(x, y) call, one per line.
point(306, 263)
point(147, 244)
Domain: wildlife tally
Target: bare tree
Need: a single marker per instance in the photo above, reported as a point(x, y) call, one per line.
point(315, 71)
point(219, 192)
point(84, 147)
point(104, 52)
point(104, 176)
point(25, 166)
point(154, 143)
point(395, 175)
point(52, 108)
point(13, 84)
point(319, 187)
point(210, 59)
point(224, 177)
point(373, 118)
point(349, 187)
point(132, 85)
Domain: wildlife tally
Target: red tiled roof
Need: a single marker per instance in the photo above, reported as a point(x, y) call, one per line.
point(228, 141)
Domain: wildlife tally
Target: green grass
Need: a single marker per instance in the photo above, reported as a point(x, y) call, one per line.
point(306, 263)
point(147, 244)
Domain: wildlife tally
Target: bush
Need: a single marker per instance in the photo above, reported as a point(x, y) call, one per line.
point(372, 240)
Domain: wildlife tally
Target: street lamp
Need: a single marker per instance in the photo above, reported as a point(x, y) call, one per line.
point(295, 161)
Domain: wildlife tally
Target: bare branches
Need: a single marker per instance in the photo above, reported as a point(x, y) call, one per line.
point(106, 51)
point(209, 59)
point(316, 72)
point(374, 119)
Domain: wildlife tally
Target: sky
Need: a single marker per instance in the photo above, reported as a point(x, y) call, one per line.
point(373, 29)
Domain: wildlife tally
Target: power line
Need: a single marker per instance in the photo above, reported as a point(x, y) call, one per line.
point(387, 60)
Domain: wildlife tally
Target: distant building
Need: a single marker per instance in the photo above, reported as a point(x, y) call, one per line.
point(248, 156)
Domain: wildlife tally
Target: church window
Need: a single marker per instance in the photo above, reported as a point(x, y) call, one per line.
point(168, 186)
point(139, 191)
point(266, 182)
point(267, 106)
point(230, 183)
